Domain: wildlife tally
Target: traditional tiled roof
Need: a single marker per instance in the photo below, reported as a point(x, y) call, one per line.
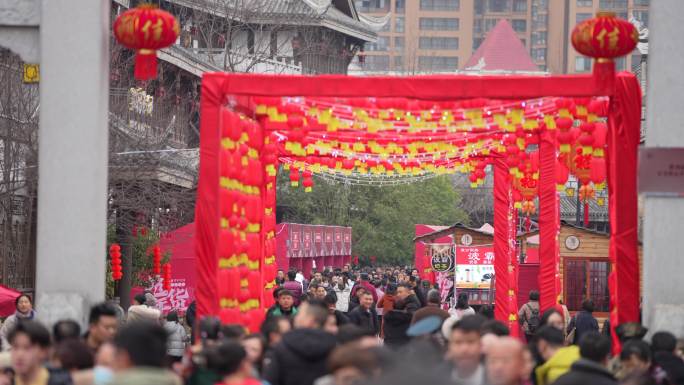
point(502, 50)
point(485, 229)
point(287, 12)
point(568, 210)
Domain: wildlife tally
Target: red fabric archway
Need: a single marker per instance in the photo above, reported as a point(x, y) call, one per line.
point(237, 91)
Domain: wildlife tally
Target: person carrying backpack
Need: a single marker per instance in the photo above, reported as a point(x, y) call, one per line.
point(529, 316)
point(583, 322)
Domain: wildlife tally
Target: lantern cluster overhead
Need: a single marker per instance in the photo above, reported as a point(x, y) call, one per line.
point(381, 141)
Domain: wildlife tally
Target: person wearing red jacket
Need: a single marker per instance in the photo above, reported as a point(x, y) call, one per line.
point(294, 287)
point(364, 282)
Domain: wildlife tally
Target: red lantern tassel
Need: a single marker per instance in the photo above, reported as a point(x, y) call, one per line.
point(528, 224)
point(604, 74)
point(145, 64)
point(586, 213)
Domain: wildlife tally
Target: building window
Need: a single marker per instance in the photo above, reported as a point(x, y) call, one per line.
point(585, 3)
point(380, 45)
point(520, 6)
point(399, 24)
point(376, 63)
point(582, 64)
point(540, 22)
point(477, 26)
point(438, 63)
point(489, 24)
point(612, 4)
point(476, 42)
point(586, 278)
point(498, 5)
point(636, 64)
point(386, 27)
point(519, 25)
point(642, 16)
point(438, 24)
point(643, 3)
point(373, 5)
point(539, 38)
point(440, 5)
point(250, 42)
point(620, 64)
point(580, 17)
point(539, 54)
point(438, 43)
point(398, 63)
point(479, 7)
point(400, 6)
point(399, 43)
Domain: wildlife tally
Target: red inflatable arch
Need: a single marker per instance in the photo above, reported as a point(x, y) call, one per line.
point(531, 130)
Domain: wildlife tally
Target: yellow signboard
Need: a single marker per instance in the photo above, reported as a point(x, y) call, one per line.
point(31, 73)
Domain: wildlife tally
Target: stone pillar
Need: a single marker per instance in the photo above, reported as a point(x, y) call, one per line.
point(663, 294)
point(72, 187)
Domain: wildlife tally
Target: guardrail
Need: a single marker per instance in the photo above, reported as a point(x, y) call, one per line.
point(157, 120)
point(240, 62)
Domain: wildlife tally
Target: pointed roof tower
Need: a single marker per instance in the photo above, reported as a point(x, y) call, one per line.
point(501, 50)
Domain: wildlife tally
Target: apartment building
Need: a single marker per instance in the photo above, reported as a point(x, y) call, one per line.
point(440, 35)
point(422, 35)
point(561, 56)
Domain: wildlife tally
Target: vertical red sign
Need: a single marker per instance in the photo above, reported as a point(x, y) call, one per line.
point(295, 240)
point(346, 239)
point(318, 240)
point(338, 241)
point(307, 241)
point(329, 243)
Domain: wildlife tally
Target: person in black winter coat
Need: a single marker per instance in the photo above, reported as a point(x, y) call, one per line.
point(330, 301)
point(667, 367)
point(190, 315)
point(364, 315)
point(421, 294)
point(300, 357)
point(591, 367)
point(397, 321)
point(583, 322)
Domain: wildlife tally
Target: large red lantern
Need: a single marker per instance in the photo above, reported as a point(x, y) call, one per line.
point(605, 37)
point(307, 182)
point(294, 177)
point(146, 29)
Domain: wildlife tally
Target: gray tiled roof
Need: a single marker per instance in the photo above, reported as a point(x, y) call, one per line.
point(568, 206)
point(288, 12)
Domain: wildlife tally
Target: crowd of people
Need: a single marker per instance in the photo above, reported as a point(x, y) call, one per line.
point(338, 327)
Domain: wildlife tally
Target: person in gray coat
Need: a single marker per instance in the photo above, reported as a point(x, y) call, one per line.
point(177, 337)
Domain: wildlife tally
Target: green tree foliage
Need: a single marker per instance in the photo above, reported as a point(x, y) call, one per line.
point(383, 219)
